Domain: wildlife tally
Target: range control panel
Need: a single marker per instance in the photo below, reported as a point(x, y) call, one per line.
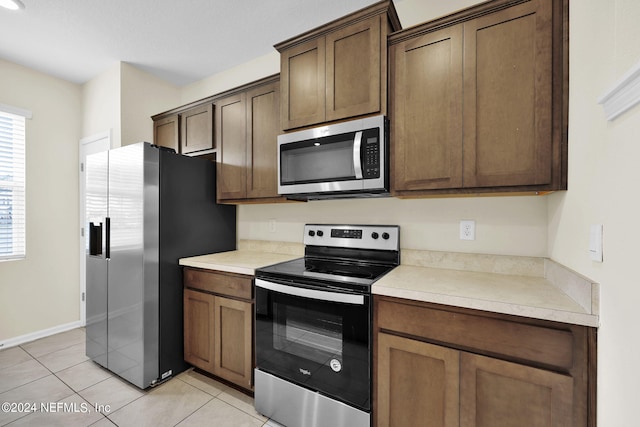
point(382, 237)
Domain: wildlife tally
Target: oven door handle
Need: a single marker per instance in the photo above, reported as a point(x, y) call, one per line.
point(311, 293)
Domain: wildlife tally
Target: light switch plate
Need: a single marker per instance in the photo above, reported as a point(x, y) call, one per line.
point(595, 242)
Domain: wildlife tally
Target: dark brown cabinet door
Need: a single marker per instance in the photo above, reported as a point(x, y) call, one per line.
point(495, 393)
point(508, 97)
point(233, 341)
point(417, 384)
point(197, 129)
point(218, 324)
point(263, 127)
point(198, 329)
point(339, 70)
point(426, 108)
point(480, 105)
point(231, 145)
point(302, 71)
point(353, 70)
point(166, 132)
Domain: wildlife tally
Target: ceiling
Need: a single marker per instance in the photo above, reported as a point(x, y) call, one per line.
point(179, 41)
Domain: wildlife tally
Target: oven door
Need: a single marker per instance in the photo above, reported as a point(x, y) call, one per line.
point(315, 338)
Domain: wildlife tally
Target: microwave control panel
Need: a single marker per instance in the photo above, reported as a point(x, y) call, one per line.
point(371, 154)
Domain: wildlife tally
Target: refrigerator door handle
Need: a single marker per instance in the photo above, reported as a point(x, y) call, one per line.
point(107, 250)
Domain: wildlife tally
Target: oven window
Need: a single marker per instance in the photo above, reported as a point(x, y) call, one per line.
point(329, 159)
point(307, 333)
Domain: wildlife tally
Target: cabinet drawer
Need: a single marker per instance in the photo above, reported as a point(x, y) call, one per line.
point(227, 284)
point(491, 336)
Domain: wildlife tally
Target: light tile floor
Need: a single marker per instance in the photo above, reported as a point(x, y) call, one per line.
point(54, 376)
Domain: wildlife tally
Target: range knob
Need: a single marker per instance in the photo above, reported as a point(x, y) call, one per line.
point(374, 235)
point(320, 233)
point(385, 236)
point(312, 233)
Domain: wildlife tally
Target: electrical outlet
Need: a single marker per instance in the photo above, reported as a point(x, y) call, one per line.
point(467, 230)
point(272, 225)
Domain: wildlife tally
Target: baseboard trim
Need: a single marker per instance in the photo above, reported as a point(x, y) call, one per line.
point(12, 342)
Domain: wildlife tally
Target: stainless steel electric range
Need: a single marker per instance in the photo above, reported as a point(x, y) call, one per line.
point(313, 326)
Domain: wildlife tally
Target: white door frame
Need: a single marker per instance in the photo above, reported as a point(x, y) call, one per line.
point(88, 145)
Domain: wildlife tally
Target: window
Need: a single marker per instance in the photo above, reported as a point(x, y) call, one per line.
point(12, 184)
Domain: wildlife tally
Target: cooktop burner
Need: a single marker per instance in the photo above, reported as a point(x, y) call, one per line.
point(346, 256)
point(338, 271)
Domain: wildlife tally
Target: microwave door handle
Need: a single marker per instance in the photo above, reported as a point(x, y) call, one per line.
point(310, 293)
point(357, 163)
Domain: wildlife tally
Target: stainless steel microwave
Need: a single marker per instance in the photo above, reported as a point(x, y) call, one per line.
point(348, 159)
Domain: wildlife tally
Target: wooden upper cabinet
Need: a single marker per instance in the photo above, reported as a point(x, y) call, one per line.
point(426, 110)
point(508, 97)
point(263, 127)
point(187, 131)
point(197, 129)
point(478, 101)
point(166, 132)
point(302, 73)
point(339, 70)
point(353, 70)
point(231, 145)
point(247, 128)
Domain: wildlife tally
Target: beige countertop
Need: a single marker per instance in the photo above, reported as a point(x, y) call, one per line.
point(519, 295)
point(240, 261)
point(522, 286)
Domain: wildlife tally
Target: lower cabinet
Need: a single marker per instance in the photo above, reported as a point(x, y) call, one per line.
point(218, 325)
point(199, 329)
point(498, 393)
point(418, 383)
point(444, 366)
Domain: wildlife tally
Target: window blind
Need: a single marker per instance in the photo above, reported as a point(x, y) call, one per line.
point(12, 186)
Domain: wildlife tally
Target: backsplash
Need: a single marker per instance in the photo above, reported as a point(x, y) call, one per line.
point(482, 263)
point(287, 248)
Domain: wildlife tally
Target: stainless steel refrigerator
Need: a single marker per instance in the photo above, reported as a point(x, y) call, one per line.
point(146, 207)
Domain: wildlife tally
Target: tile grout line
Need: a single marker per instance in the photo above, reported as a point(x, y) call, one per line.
point(74, 392)
point(34, 358)
point(223, 392)
point(77, 394)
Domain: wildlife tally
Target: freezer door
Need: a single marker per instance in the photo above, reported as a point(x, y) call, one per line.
point(133, 290)
point(96, 255)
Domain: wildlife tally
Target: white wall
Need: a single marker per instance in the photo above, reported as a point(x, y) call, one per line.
point(43, 290)
point(603, 178)
point(122, 99)
point(142, 95)
point(504, 225)
point(258, 68)
point(101, 105)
